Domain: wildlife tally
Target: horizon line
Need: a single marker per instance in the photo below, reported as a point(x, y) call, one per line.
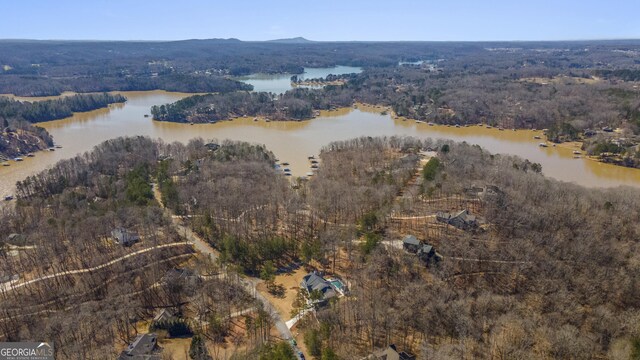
point(305, 40)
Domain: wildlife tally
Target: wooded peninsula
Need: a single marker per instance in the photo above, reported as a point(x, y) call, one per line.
point(508, 261)
point(19, 136)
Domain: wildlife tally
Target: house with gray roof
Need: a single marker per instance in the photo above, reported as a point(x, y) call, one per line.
point(314, 282)
point(411, 244)
point(164, 315)
point(17, 239)
point(462, 220)
point(212, 146)
point(426, 253)
point(144, 347)
point(124, 237)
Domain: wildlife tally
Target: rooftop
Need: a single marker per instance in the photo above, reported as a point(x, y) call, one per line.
point(411, 240)
point(142, 347)
point(392, 353)
point(314, 281)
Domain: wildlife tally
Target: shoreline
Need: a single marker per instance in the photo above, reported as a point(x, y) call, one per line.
point(37, 148)
point(377, 108)
point(576, 145)
point(112, 92)
point(319, 83)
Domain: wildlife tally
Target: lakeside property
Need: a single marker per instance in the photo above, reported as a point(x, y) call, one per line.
point(294, 141)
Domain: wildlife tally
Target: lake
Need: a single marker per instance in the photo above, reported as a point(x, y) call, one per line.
point(280, 83)
point(293, 141)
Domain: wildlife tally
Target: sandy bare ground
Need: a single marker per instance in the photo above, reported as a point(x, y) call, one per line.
point(175, 348)
point(291, 283)
point(178, 348)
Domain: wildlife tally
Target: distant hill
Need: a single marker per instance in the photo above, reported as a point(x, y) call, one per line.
point(295, 40)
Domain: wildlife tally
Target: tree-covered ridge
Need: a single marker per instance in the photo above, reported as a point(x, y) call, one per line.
point(446, 97)
point(519, 287)
point(47, 110)
point(17, 134)
point(296, 104)
point(51, 67)
point(620, 74)
point(29, 85)
point(66, 216)
point(575, 103)
point(551, 261)
point(22, 138)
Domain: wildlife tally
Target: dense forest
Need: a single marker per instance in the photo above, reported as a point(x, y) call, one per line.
point(536, 283)
point(30, 85)
point(563, 85)
point(549, 271)
point(47, 110)
point(575, 90)
point(445, 97)
point(19, 137)
point(516, 266)
point(50, 67)
point(296, 104)
point(64, 278)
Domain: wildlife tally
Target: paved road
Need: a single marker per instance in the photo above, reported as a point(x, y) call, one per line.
point(249, 284)
point(301, 314)
point(199, 244)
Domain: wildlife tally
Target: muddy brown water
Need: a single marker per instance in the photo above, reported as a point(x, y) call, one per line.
point(294, 141)
point(280, 83)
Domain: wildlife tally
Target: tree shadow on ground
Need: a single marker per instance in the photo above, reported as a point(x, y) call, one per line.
point(277, 290)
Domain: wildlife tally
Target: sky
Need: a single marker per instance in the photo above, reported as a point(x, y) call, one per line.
point(321, 20)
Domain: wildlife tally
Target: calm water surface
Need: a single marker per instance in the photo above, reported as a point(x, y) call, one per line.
point(280, 83)
point(293, 141)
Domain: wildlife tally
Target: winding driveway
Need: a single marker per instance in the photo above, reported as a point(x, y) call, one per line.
point(13, 286)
